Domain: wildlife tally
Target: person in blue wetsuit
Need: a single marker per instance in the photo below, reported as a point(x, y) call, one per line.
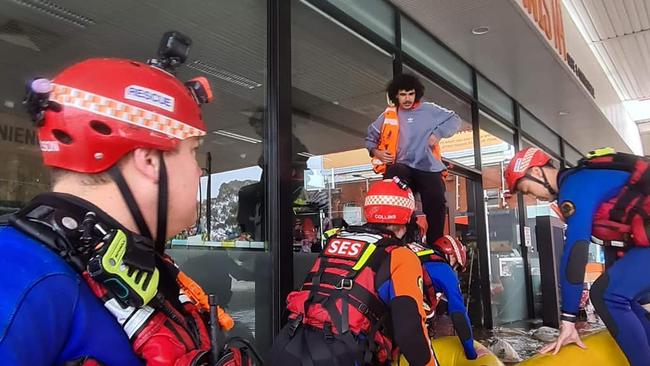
point(48, 315)
point(439, 265)
point(589, 197)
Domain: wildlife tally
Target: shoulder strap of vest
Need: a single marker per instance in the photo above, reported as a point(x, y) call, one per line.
point(427, 254)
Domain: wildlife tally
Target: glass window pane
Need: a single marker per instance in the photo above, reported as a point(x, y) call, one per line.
point(461, 223)
point(571, 155)
point(536, 129)
point(459, 147)
point(377, 15)
point(535, 208)
point(419, 45)
point(507, 275)
point(229, 49)
point(493, 98)
point(496, 140)
point(338, 90)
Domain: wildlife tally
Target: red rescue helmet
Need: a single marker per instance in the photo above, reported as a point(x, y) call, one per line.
point(95, 112)
point(389, 202)
point(521, 162)
point(106, 108)
point(450, 246)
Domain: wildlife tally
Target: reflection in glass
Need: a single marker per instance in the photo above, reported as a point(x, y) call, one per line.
point(338, 90)
point(507, 275)
point(571, 155)
point(535, 208)
point(461, 223)
point(493, 98)
point(533, 127)
point(377, 15)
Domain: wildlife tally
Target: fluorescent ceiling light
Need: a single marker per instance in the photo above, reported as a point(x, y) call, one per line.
point(236, 136)
point(479, 31)
point(306, 154)
point(57, 11)
point(225, 75)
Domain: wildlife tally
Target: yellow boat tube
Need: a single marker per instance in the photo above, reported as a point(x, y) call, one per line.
point(601, 350)
point(449, 352)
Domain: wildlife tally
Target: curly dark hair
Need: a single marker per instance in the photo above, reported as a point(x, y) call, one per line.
point(405, 82)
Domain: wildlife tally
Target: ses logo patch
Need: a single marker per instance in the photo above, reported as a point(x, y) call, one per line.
point(342, 248)
point(149, 96)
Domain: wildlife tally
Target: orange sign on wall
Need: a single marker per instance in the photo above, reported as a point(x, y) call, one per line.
point(465, 141)
point(548, 16)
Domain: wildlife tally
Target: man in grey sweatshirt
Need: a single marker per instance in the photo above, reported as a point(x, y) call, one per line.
point(421, 125)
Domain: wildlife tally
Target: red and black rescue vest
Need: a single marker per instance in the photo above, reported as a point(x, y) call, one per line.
point(339, 294)
point(626, 217)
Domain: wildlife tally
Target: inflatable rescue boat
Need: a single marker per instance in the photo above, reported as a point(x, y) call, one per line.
point(449, 352)
point(601, 350)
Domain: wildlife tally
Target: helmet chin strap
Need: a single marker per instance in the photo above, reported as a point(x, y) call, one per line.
point(544, 182)
point(163, 201)
point(134, 209)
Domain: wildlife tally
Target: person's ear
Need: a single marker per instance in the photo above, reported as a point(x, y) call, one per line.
point(536, 172)
point(146, 162)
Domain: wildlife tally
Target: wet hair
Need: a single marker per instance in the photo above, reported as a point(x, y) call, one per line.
point(405, 82)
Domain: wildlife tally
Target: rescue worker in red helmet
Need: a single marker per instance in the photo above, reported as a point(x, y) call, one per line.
point(363, 297)
point(603, 200)
point(84, 279)
point(438, 265)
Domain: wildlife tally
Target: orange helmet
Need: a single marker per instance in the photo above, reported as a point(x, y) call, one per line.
point(389, 202)
point(521, 162)
point(449, 246)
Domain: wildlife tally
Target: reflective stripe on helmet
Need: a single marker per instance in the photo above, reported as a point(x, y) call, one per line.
point(124, 112)
point(390, 200)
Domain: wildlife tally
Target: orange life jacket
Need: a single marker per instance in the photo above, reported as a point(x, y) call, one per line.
point(389, 137)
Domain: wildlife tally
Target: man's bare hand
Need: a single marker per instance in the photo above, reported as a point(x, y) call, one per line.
point(568, 334)
point(481, 351)
point(384, 156)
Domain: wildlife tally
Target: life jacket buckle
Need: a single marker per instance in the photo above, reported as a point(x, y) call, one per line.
point(363, 309)
point(344, 284)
